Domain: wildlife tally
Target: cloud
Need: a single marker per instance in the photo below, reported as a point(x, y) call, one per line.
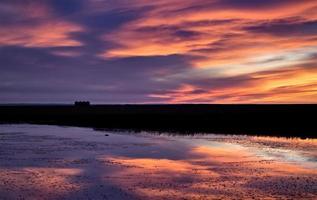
point(213, 37)
point(33, 73)
point(258, 4)
point(66, 8)
point(125, 51)
point(286, 29)
point(290, 85)
point(49, 34)
point(33, 25)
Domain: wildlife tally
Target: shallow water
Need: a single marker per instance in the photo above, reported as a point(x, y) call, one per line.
point(51, 162)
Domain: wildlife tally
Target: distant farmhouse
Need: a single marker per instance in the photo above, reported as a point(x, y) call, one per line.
point(82, 103)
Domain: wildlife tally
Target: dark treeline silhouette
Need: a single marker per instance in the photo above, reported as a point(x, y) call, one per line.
point(276, 120)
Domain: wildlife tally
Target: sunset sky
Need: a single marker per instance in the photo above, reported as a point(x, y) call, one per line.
point(165, 51)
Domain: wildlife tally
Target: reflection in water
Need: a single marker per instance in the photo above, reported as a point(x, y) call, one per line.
point(49, 162)
point(37, 183)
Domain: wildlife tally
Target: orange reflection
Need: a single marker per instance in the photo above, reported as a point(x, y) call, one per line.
point(160, 166)
point(210, 172)
point(174, 167)
point(218, 154)
point(39, 182)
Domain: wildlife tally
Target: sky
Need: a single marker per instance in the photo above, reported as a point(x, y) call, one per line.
point(165, 51)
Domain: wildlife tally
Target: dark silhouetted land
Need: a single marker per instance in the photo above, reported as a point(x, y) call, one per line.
point(277, 120)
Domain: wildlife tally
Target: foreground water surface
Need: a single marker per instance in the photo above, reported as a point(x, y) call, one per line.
point(51, 162)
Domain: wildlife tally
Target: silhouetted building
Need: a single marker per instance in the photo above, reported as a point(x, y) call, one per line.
point(82, 103)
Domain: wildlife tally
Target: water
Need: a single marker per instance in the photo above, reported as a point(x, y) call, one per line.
point(52, 162)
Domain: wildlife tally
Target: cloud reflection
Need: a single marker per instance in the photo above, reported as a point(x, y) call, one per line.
point(84, 163)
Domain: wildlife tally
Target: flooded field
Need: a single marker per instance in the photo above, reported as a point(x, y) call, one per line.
point(51, 162)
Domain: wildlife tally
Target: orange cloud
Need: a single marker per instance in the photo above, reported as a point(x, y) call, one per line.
point(176, 14)
point(292, 85)
point(199, 40)
point(220, 39)
point(231, 40)
point(36, 26)
point(51, 34)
